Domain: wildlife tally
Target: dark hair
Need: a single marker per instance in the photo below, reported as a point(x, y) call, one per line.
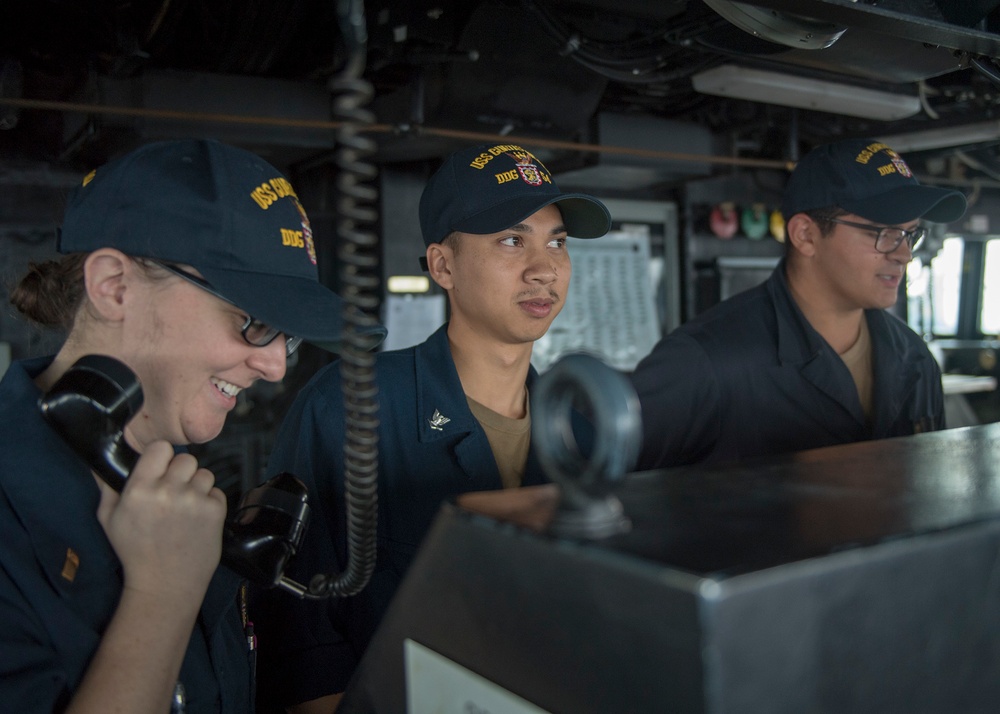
point(822, 217)
point(451, 240)
point(50, 293)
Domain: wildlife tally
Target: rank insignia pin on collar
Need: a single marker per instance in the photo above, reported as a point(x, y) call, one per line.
point(438, 420)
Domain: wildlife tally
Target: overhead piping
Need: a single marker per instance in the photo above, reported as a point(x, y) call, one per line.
point(52, 105)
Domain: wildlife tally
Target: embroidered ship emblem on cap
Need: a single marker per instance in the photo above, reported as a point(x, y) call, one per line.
point(438, 420)
point(900, 165)
point(529, 171)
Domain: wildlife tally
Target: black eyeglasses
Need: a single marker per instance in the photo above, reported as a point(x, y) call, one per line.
point(254, 331)
point(888, 238)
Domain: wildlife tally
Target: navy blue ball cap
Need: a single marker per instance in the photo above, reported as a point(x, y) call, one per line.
point(489, 188)
point(222, 210)
point(867, 178)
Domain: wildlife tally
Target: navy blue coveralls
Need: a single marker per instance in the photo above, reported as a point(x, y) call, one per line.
point(431, 448)
point(60, 580)
point(752, 378)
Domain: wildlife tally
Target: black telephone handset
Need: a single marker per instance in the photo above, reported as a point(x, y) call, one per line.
point(88, 407)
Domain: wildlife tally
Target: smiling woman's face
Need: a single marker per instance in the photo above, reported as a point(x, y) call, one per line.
point(185, 345)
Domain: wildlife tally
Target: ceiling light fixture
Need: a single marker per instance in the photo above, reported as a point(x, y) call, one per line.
point(790, 90)
point(408, 284)
point(945, 137)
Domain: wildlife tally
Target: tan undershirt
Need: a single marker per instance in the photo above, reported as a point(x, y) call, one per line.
point(509, 439)
point(858, 359)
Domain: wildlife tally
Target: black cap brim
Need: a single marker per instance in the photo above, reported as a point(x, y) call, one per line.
point(583, 215)
point(907, 203)
point(297, 306)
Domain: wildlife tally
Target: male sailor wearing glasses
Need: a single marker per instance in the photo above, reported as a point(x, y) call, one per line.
point(810, 357)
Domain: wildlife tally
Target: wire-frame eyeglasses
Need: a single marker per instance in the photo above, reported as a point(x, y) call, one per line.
point(254, 331)
point(888, 238)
